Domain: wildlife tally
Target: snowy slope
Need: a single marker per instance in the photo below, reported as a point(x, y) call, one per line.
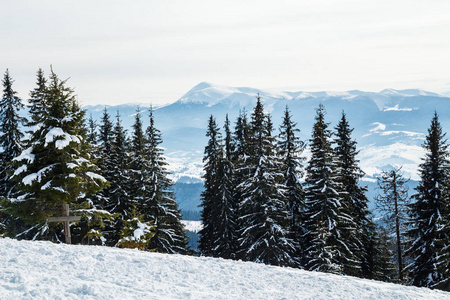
point(42, 270)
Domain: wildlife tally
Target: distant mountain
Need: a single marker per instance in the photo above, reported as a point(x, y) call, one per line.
point(389, 125)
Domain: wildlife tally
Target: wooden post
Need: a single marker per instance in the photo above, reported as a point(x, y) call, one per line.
point(65, 219)
point(65, 213)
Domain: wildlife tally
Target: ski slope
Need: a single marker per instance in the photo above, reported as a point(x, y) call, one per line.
point(43, 270)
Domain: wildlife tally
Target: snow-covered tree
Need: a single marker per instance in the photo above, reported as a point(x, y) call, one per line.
point(264, 214)
point(135, 233)
point(37, 105)
point(392, 204)
point(54, 170)
point(225, 236)
point(354, 201)
point(119, 201)
point(429, 212)
point(10, 133)
point(325, 219)
point(159, 206)
point(209, 194)
point(290, 149)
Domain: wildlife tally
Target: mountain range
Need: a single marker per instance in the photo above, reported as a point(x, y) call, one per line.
point(389, 126)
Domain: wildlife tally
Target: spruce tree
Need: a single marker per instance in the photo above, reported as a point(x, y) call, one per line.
point(225, 236)
point(325, 219)
point(119, 201)
point(392, 203)
point(354, 201)
point(160, 207)
point(264, 235)
point(37, 105)
point(10, 133)
point(92, 136)
point(429, 211)
point(55, 169)
point(211, 160)
point(290, 149)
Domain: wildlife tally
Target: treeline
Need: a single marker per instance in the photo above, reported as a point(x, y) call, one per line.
point(257, 208)
point(118, 185)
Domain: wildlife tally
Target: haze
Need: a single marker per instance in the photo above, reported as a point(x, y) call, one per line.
point(154, 51)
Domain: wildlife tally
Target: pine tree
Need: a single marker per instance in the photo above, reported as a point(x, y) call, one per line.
point(354, 201)
point(55, 169)
point(210, 188)
point(160, 207)
point(325, 219)
point(290, 148)
point(264, 235)
point(393, 206)
point(429, 210)
point(10, 133)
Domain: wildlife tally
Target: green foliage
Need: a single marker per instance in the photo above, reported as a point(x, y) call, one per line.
point(136, 233)
point(55, 167)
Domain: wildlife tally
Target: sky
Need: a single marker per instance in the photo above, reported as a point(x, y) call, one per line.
point(155, 51)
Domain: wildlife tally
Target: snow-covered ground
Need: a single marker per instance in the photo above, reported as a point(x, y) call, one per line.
point(194, 226)
point(43, 270)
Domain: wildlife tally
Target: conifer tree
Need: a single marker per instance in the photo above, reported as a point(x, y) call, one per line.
point(55, 169)
point(37, 105)
point(92, 135)
point(324, 217)
point(119, 201)
point(378, 253)
point(159, 206)
point(10, 133)
point(429, 211)
point(392, 203)
point(225, 236)
point(354, 201)
point(211, 159)
point(290, 148)
point(264, 235)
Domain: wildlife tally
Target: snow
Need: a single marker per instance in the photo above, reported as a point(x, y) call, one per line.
point(397, 108)
point(25, 155)
point(43, 270)
point(60, 144)
point(194, 226)
point(29, 179)
point(96, 176)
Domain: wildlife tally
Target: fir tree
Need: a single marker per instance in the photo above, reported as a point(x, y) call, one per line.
point(211, 159)
point(264, 235)
point(290, 148)
point(10, 133)
point(92, 136)
point(354, 201)
point(119, 200)
point(377, 263)
point(429, 211)
point(325, 219)
point(393, 206)
point(37, 105)
point(225, 236)
point(55, 168)
point(160, 207)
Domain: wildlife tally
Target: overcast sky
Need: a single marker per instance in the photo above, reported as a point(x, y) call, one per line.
point(155, 51)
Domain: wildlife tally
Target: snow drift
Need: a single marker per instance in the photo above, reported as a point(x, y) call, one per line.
point(43, 270)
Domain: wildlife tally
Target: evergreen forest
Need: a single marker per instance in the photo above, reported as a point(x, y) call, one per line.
point(65, 177)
